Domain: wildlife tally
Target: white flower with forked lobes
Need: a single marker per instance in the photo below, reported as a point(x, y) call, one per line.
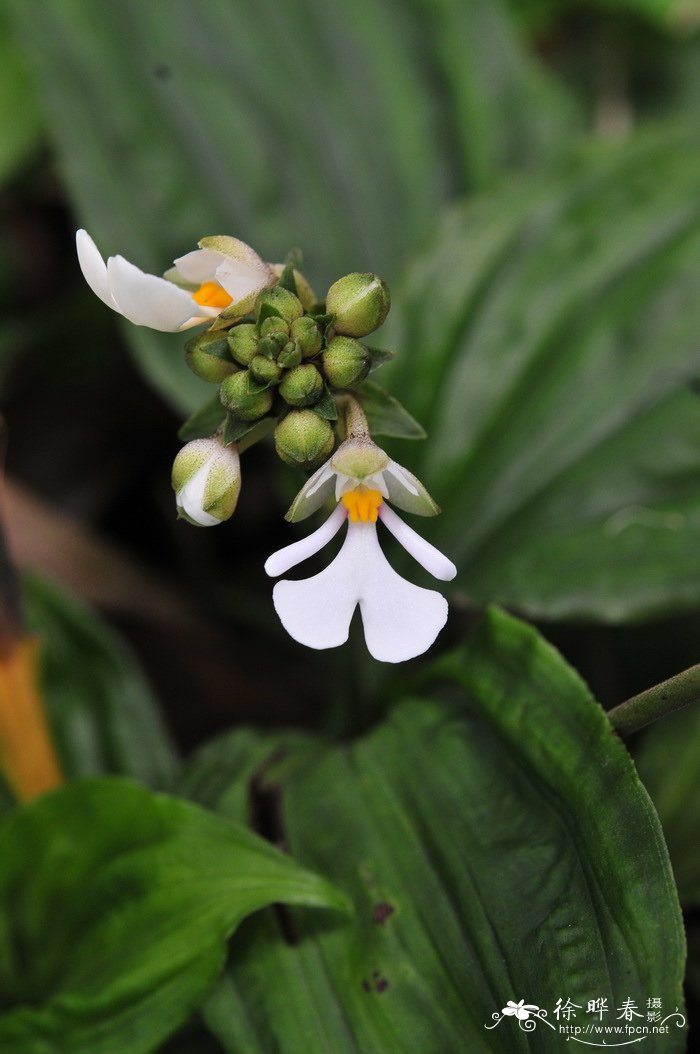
point(223, 272)
point(400, 620)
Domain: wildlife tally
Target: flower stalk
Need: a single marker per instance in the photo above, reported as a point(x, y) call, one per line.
point(658, 701)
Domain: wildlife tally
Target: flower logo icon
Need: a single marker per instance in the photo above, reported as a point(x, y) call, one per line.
point(521, 1010)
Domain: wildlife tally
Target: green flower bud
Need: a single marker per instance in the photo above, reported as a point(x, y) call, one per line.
point(208, 356)
point(303, 438)
point(243, 342)
point(265, 370)
point(307, 335)
point(302, 386)
point(284, 303)
point(360, 303)
point(243, 396)
point(206, 479)
point(276, 328)
point(290, 355)
point(268, 347)
point(346, 362)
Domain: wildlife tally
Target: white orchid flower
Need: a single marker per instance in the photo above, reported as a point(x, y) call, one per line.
point(221, 273)
point(400, 620)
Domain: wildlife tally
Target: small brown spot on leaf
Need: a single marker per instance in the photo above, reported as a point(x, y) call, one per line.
point(381, 912)
point(381, 985)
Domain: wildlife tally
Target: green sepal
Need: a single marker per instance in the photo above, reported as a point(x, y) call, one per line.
point(379, 356)
point(385, 414)
point(292, 263)
point(235, 428)
point(290, 356)
point(230, 315)
point(326, 407)
point(203, 422)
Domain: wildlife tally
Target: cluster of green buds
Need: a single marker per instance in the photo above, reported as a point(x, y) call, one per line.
point(286, 363)
point(283, 365)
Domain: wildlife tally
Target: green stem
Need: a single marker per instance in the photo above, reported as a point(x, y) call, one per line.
point(353, 417)
point(663, 699)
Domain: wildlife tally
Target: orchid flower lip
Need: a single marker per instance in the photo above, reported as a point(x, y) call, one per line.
point(400, 620)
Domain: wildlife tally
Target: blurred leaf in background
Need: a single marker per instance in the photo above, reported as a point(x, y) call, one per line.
point(283, 125)
point(21, 120)
point(102, 712)
point(549, 346)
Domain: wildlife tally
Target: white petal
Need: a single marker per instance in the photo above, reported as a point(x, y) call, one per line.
point(401, 620)
point(191, 498)
point(198, 320)
point(426, 554)
point(94, 268)
point(146, 299)
point(317, 611)
point(293, 554)
point(239, 280)
point(199, 266)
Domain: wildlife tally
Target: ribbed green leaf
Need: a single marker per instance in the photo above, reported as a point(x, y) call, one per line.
point(115, 908)
point(497, 844)
point(549, 343)
point(102, 712)
point(345, 126)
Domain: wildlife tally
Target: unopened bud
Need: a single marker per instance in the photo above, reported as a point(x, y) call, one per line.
point(360, 303)
point(264, 370)
point(303, 438)
point(207, 481)
point(243, 396)
point(276, 328)
point(302, 386)
point(208, 356)
point(290, 355)
point(243, 342)
point(307, 335)
point(346, 362)
point(282, 301)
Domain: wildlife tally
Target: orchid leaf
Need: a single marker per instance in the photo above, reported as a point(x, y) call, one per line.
point(115, 908)
point(385, 414)
point(497, 843)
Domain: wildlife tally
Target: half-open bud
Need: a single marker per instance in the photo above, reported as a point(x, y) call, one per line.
point(304, 438)
point(206, 479)
point(360, 303)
